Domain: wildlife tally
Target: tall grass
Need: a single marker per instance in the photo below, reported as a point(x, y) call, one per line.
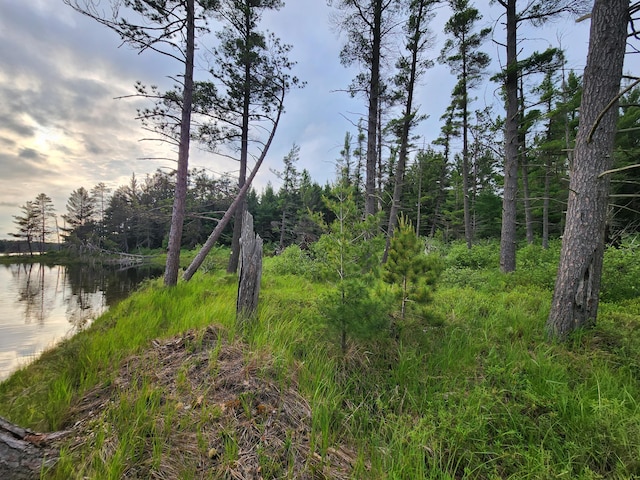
point(92, 356)
point(477, 394)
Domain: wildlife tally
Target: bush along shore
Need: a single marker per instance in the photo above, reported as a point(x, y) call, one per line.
point(165, 385)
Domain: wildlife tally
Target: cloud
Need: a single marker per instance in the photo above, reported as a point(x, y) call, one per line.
point(14, 125)
point(29, 154)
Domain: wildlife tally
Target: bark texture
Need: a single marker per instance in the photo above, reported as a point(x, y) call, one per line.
point(23, 453)
point(575, 298)
point(180, 199)
point(250, 270)
point(508, 232)
point(372, 119)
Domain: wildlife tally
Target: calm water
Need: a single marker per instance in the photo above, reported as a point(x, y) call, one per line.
point(40, 305)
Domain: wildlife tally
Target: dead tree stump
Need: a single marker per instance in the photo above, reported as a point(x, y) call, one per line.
point(23, 453)
point(250, 271)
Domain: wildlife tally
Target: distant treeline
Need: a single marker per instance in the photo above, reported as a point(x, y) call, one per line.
point(22, 246)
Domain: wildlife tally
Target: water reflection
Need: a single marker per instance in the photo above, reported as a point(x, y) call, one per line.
point(40, 304)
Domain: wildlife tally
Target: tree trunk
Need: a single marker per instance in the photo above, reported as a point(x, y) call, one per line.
point(374, 94)
point(419, 205)
point(23, 453)
point(232, 267)
point(526, 194)
point(240, 198)
point(440, 197)
point(575, 298)
point(250, 271)
point(179, 201)
point(468, 234)
point(508, 233)
point(283, 223)
point(407, 122)
point(546, 201)
point(547, 176)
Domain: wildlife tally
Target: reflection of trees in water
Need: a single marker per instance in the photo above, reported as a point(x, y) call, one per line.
point(34, 291)
point(86, 290)
point(116, 283)
point(95, 287)
point(83, 307)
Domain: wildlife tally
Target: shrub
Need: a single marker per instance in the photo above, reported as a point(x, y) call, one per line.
point(538, 266)
point(292, 261)
point(348, 257)
point(482, 255)
point(621, 271)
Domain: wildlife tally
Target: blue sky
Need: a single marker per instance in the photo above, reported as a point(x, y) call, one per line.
point(62, 127)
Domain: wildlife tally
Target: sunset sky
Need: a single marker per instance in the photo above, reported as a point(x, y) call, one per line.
point(62, 128)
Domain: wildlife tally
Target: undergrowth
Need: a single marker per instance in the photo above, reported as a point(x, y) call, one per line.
point(473, 391)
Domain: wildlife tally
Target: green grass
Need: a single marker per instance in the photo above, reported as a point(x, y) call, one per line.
point(477, 394)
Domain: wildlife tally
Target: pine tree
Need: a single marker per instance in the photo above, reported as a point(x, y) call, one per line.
point(27, 224)
point(289, 194)
point(409, 67)
point(79, 218)
point(576, 293)
point(461, 53)
point(348, 255)
point(44, 207)
point(243, 102)
point(625, 199)
point(100, 193)
point(411, 273)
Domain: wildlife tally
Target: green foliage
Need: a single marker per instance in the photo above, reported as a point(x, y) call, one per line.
point(474, 268)
point(353, 310)
point(352, 247)
point(625, 208)
point(79, 219)
point(488, 211)
point(621, 271)
point(348, 257)
point(538, 266)
point(216, 260)
point(411, 273)
point(27, 224)
point(292, 261)
point(481, 255)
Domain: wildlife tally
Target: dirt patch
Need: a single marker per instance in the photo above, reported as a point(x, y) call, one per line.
point(220, 410)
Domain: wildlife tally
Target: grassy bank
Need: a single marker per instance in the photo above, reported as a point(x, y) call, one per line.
point(475, 391)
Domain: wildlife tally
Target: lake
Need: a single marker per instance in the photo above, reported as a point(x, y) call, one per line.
point(40, 304)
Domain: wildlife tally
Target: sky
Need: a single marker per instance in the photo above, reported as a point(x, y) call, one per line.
point(62, 126)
